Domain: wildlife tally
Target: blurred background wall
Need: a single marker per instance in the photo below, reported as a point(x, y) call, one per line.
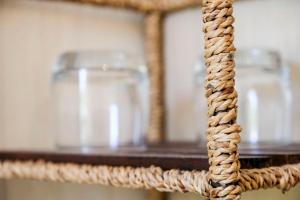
point(34, 33)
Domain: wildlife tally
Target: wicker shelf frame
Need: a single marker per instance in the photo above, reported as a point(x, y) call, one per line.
point(224, 179)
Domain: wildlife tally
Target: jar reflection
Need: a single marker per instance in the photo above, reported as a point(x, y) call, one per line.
point(99, 100)
point(264, 100)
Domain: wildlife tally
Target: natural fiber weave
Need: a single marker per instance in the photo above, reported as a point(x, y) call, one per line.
point(154, 53)
point(147, 178)
point(224, 180)
point(284, 177)
point(223, 132)
point(144, 6)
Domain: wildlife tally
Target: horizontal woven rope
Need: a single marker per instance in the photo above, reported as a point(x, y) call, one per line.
point(283, 178)
point(144, 5)
point(147, 178)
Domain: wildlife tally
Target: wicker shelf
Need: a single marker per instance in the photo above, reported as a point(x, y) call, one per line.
point(185, 156)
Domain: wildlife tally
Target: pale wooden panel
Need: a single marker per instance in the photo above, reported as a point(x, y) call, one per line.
point(2, 190)
point(18, 189)
point(270, 24)
point(273, 194)
point(32, 35)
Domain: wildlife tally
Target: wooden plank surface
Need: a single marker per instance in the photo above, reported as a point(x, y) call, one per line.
point(185, 156)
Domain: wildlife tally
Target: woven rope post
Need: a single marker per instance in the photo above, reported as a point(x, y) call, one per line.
point(224, 180)
point(154, 53)
point(223, 132)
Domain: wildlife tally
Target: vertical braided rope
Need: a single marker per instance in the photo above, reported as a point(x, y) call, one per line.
point(223, 132)
point(154, 52)
point(153, 34)
point(144, 6)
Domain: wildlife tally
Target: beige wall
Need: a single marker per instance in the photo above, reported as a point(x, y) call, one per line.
point(270, 24)
point(33, 33)
point(26, 62)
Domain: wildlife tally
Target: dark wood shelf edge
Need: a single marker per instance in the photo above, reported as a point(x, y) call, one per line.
point(184, 156)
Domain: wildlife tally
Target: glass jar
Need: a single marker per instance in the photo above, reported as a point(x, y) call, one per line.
point(100, 99)
point(264, 97)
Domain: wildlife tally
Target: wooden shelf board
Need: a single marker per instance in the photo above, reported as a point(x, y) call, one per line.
point(185, 156)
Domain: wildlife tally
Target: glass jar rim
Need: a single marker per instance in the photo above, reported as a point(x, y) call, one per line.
point(266, 59)
point(102, 60)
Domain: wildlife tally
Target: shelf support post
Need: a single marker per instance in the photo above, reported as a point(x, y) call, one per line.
point(154, 54)
point(223, 131)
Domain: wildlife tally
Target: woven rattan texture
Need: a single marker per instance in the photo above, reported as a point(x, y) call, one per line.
point(284, 177)
point(154, 54)
point(223, 132)
point(224, 180)
point(144, 6)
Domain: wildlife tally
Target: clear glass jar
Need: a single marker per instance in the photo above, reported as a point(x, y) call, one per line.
point(100, 99)
point(264, 97)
